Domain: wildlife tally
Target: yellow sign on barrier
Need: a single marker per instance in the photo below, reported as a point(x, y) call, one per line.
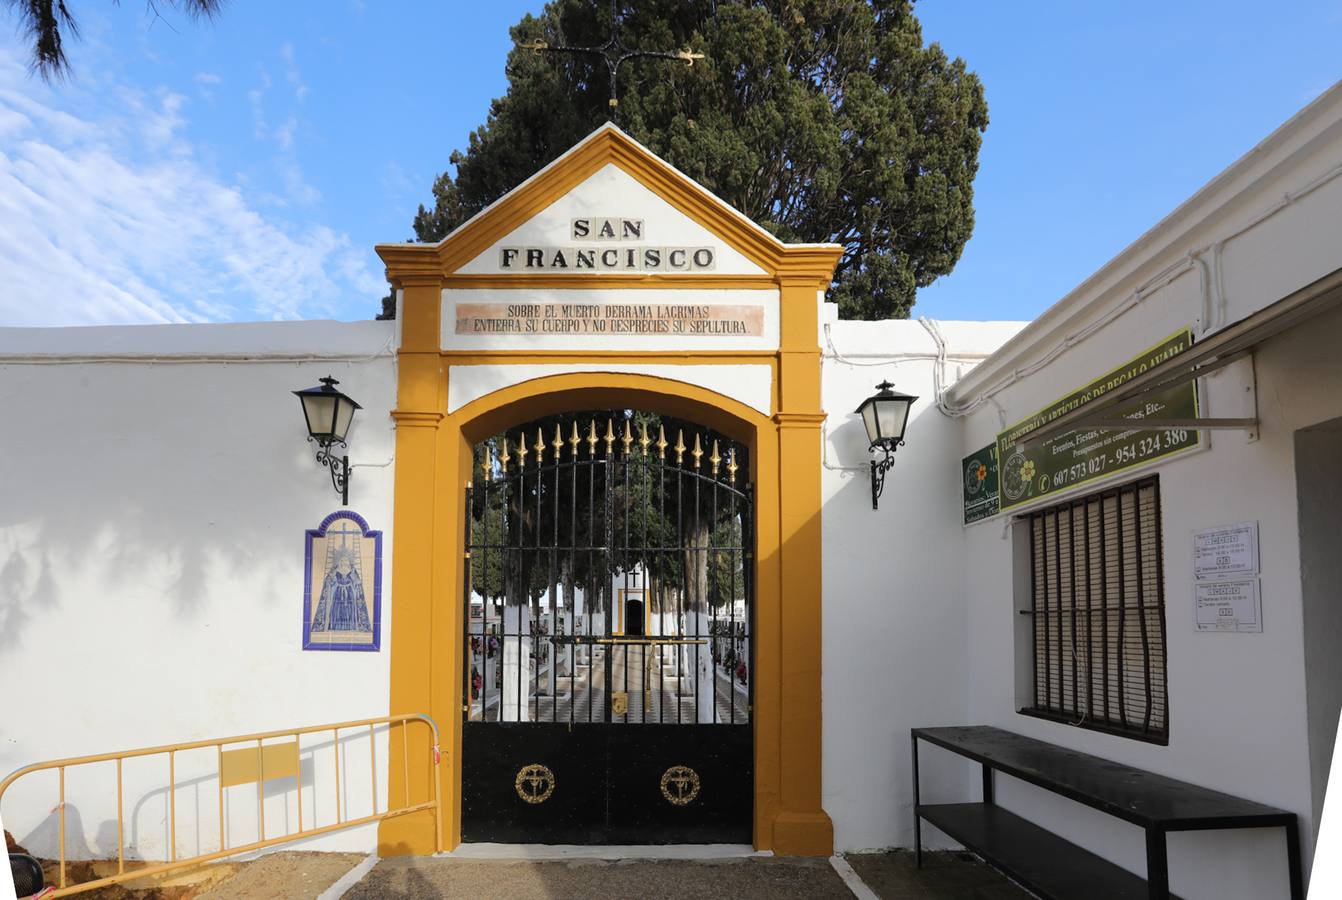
point(249, 765)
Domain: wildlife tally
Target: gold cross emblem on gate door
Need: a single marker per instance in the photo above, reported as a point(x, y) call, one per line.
point(680, 785)
point(534, 783)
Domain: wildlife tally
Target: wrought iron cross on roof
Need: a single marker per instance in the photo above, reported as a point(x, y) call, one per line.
point(615, 53)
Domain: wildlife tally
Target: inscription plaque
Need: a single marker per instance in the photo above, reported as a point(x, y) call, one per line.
point(568, 319)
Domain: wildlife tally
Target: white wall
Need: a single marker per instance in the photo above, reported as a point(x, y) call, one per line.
point(894, 617)
point(1237, 701)
point(1319, 497)
point(151, 568)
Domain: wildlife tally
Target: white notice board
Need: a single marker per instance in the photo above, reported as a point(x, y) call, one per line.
point(1228, 605)
point(1227, 551)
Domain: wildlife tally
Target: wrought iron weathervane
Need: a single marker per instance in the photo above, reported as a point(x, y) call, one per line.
point(615, 52)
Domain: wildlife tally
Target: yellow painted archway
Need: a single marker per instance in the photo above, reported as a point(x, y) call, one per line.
point(433, 459)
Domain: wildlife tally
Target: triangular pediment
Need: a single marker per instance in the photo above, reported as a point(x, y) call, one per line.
point(611, 223)
point(609, 206)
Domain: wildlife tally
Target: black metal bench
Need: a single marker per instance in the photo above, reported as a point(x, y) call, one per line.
point(1055, 868)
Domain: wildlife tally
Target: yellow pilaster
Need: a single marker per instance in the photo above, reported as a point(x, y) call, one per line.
point(420, 389)
point(802, 827)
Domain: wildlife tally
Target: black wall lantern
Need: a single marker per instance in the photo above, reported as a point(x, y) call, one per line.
point(329, 413)
point(885, 415)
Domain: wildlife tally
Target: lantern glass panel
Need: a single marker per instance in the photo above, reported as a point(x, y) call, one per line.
point(869, 420)
point(320, 410)
point(892, 415)
point(343, 416)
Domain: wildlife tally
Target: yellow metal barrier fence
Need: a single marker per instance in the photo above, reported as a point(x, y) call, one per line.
point(259, 764)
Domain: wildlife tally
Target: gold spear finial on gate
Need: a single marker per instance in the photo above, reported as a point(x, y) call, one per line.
point(540, 447)
point(661, 441)
point(680, 446)
point(503, 460)
point(521, 451)
point(575, 440)
point(698, 451)
point(731, 464)
point(558, 442)
point(715, 458)
point(487, 461)
point(591, 440)
point(644, 441)
point(628, 439)
point(610, 436)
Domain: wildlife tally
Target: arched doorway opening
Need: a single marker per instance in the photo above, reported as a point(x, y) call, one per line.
point(434, 465)
point(607, 654)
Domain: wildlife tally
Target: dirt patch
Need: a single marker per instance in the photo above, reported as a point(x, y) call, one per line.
point(291, 875)
point(281, 876)
point(185, 884)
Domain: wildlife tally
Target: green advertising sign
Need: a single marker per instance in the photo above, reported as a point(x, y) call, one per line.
point(1031, 471)
point(980, 484)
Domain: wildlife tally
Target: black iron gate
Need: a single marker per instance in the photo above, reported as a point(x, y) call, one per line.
point(608, 609)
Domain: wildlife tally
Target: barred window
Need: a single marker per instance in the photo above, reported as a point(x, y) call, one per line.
point(1098, 608)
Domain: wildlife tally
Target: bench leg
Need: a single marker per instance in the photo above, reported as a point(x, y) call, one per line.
point(1293, 860)
point(917, 819)
point(1157, 865)
point(987, 784)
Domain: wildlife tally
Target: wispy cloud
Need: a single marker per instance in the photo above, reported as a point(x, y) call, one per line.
point(291, 72)
point(108, 215)
point(285, 135)
point(256, 99)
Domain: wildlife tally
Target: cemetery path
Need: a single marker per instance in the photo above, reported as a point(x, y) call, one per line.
point(300, 875)
point(888, 876)
point(657, 681)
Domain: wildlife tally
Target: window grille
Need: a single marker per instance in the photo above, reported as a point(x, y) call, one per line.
point(1098, 608)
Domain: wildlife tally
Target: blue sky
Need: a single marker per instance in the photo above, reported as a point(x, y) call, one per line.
point(243, 169)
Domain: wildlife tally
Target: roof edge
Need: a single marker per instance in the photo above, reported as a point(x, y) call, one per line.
point(1111, 283)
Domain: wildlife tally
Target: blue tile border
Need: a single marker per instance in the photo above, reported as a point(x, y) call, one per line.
point(320, 531)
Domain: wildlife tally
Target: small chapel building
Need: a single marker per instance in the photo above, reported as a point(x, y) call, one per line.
point(603, 533)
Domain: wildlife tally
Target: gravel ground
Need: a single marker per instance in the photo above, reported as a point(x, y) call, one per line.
point(304, 875)
point(412, 878)
point(948, 875)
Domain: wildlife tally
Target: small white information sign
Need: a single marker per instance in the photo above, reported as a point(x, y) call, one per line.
point(1227, 551)
point(1228, 605)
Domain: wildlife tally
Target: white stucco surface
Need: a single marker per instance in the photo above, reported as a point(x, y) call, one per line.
point(151, 575)
point(748, 384)
point(894, 626)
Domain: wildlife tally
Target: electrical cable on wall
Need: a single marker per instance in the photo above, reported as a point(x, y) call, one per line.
point(1213, 302)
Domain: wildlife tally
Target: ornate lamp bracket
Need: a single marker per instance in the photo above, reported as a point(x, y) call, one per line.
point(880, 467)
point(339, 466)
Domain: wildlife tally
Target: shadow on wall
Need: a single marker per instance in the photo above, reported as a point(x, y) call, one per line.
point(197, 807)
point(162, 490)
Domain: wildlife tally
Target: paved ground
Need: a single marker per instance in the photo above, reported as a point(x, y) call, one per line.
point(305, 875)
point(891, 876)
point(414, 878)
point(955, 876)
